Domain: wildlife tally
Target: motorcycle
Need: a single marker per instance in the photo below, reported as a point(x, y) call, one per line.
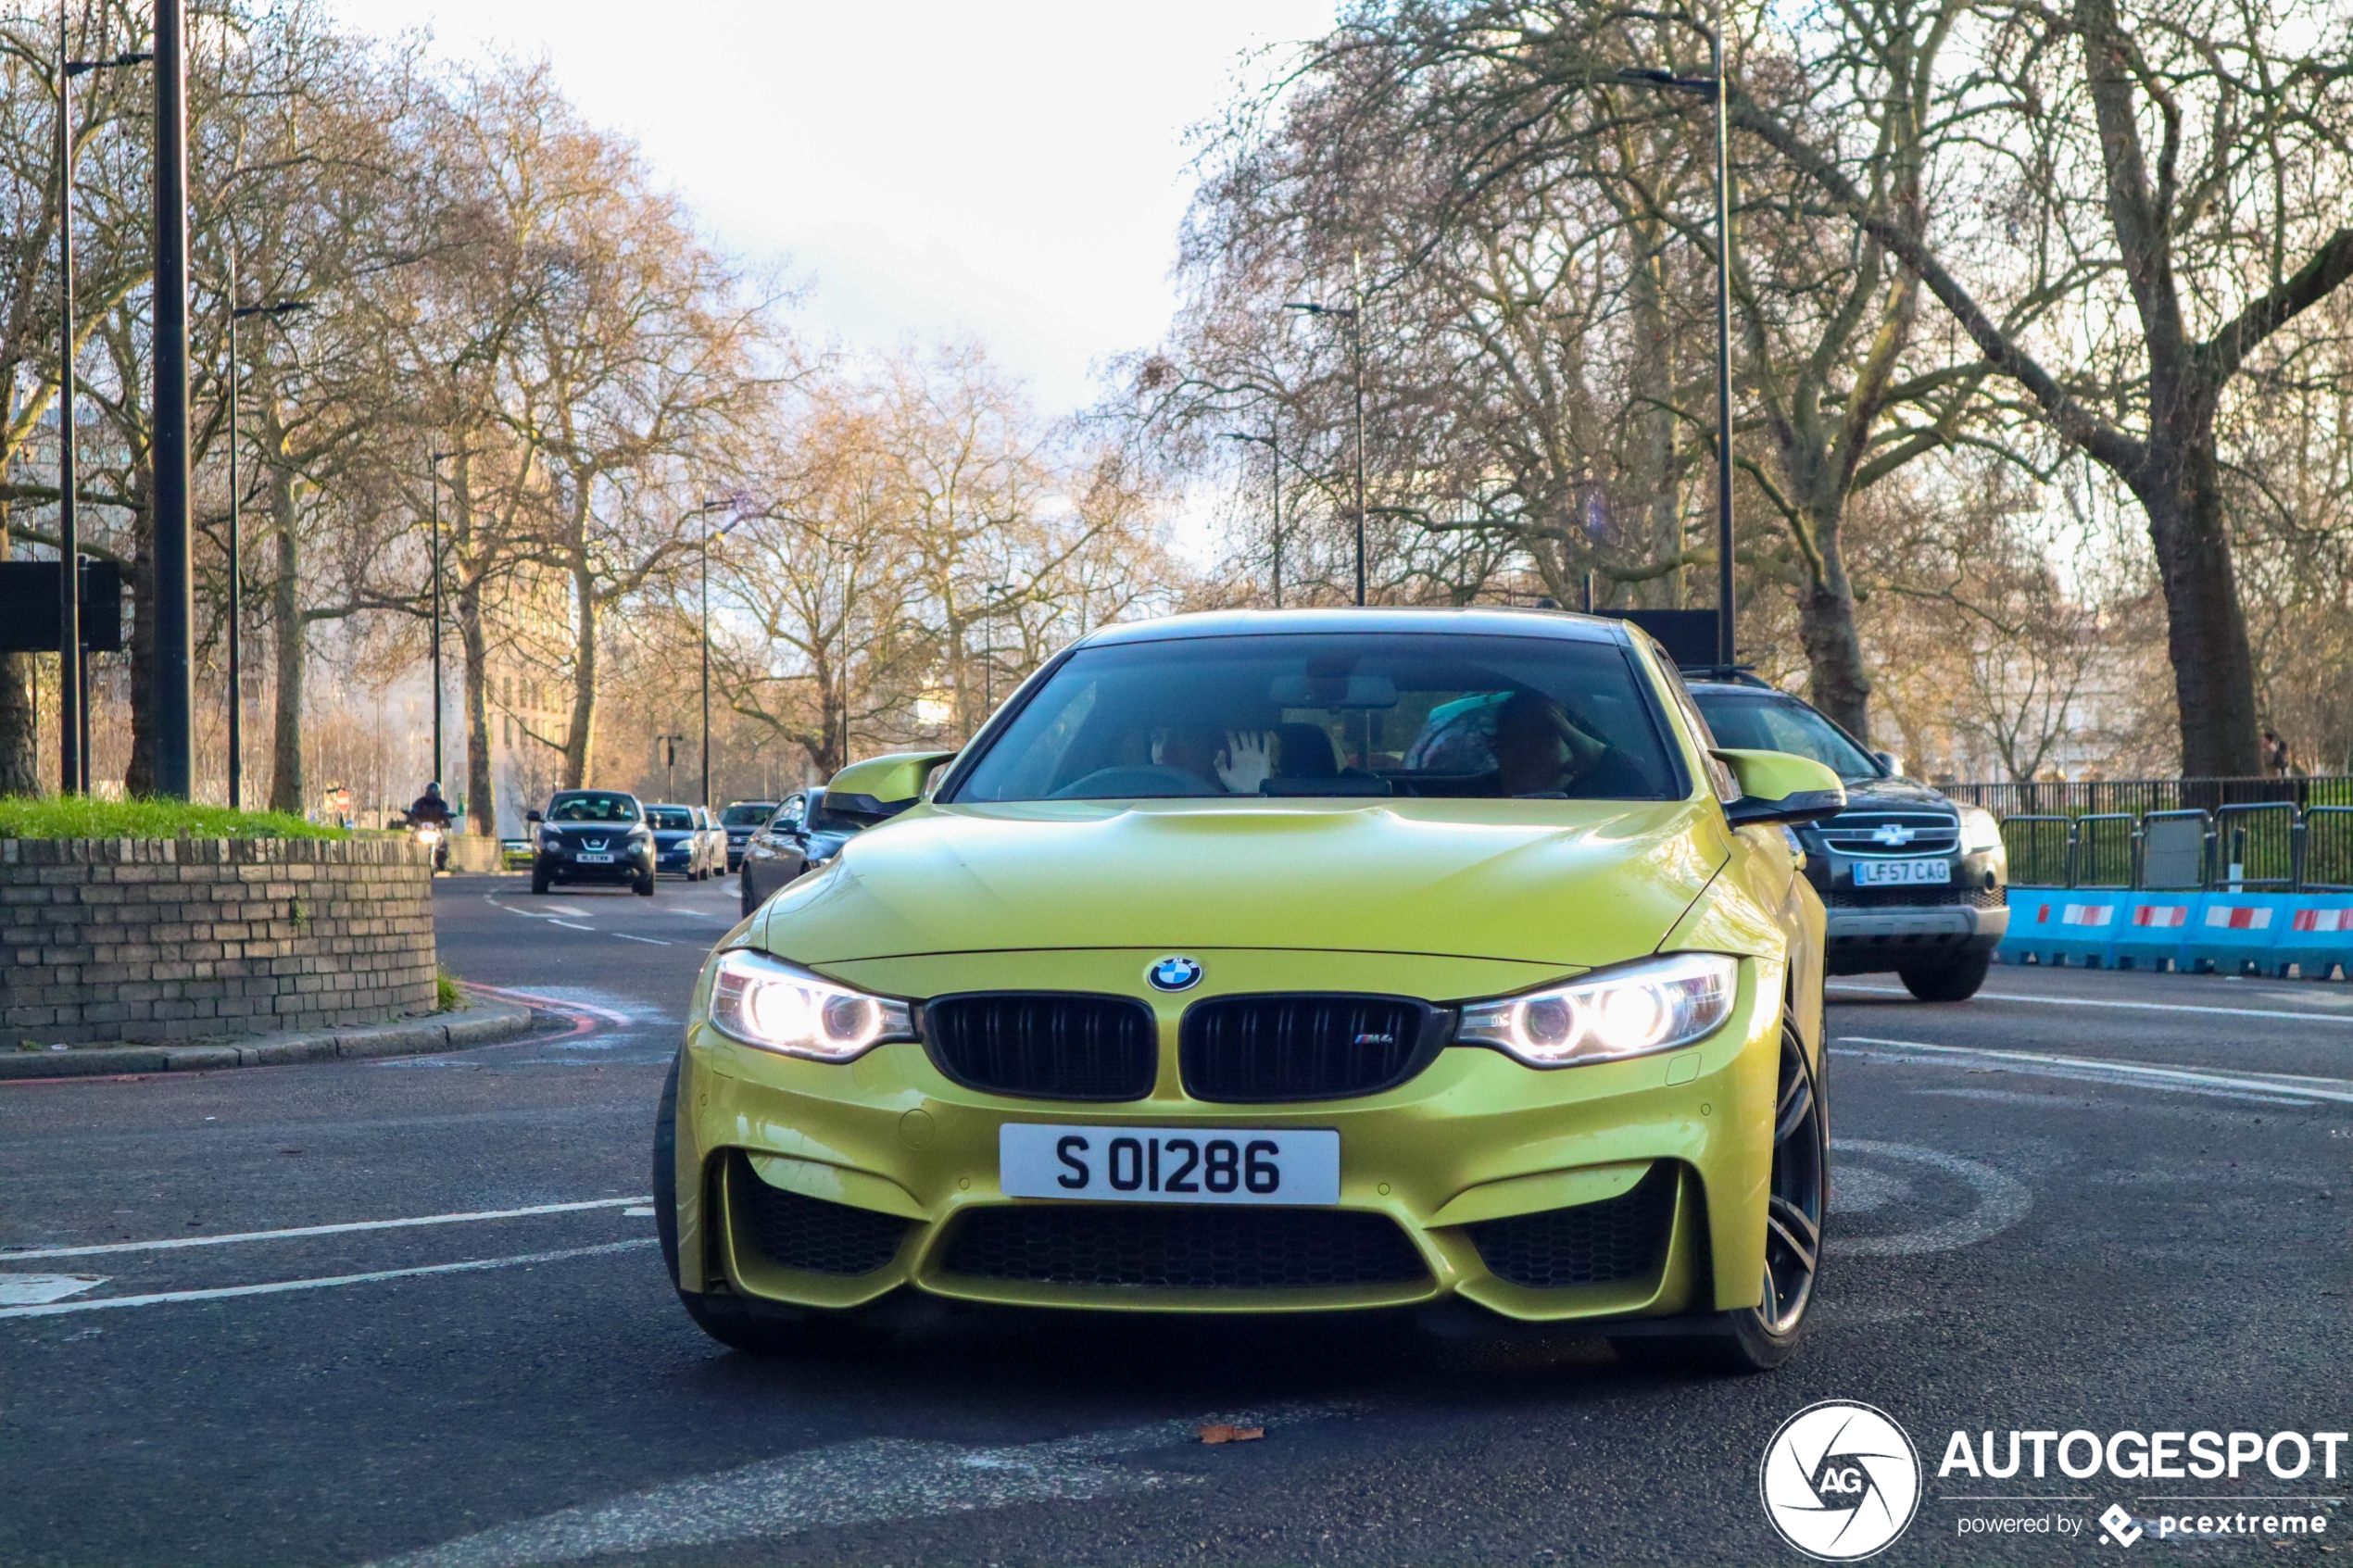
point(434, 837)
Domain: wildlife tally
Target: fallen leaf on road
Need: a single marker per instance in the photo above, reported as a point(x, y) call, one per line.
point(1218, 1432)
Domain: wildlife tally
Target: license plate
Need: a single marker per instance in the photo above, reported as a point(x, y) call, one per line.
point(1901, 873)
point(588, 859)
point(1169, 1164)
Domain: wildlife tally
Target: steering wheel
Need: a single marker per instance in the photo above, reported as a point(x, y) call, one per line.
point(1134, 781)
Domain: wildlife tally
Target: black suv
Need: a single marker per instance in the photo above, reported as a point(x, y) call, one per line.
point(1912, 881)
point(592, 835)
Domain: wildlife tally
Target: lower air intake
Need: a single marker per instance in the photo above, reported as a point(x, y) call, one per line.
point(1183, 1247)
point(1620, 1238)
point(798, 1231)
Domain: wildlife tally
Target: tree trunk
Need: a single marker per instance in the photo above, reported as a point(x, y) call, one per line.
point(582, 733)
point(288, 633)
point(1836, 681)
point(19, 711)
point(2206, 626)
point(481, 803)
point(1653, 382)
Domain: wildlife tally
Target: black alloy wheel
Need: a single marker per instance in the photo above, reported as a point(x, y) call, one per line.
point(1953, 980)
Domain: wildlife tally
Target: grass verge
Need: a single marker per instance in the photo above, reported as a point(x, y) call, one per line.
point(445, 995)
point(24, 816)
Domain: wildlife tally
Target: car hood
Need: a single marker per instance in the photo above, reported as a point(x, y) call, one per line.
point(1883, 795)
point(1569, 882)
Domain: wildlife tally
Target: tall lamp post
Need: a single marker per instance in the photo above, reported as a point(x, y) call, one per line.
point(1354, 314)
point(435, 460)
point(704, 512)
point(73, 724)
point(277, 311)
point(1272, 441)
point(172, 644)
point(1714, 88)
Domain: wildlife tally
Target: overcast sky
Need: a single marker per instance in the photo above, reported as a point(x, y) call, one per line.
point(1013, 173)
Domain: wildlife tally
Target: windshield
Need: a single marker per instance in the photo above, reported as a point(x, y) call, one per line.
point(747, 813)
point(598, 808)
point(1762, 722)
point(670, 819)
point(1343, 714)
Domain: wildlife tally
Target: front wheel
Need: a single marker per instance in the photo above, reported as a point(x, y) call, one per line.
point(749, 903)
point(645, 885)
point(1955, 980)
point(1761, 1337)
point(539, 883)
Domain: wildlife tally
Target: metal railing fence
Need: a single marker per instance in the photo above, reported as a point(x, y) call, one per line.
point(2138, 798)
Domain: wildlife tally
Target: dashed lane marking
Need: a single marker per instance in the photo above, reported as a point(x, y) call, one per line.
point(30, 1290)
point(175, 1242)
point(569, 925)
point(2097, 1002)
point(650, 941)
point(2281, 1087)
point(870, 1481)
point(222, 1292)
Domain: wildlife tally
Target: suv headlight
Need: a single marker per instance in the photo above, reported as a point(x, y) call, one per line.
point(771, 1004)
point(1654, 1004)
point(1980, 831)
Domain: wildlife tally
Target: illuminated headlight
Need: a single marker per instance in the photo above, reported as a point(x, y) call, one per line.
point(1656, 1005)
point(771, 1004)
point(550, 839)
point(1980, 831)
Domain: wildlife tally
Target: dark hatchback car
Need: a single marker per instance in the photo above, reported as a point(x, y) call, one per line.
point(742, 818)
point(592, 835)
point(1911, 880)
point(679, 846)
point(802, 833)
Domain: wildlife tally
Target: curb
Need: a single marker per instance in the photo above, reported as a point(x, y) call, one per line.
point(480, 1025)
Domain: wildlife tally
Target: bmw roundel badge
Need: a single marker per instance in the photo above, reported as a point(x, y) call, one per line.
point(1175, 972)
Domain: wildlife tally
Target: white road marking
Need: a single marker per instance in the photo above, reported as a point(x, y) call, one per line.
point(2002, 1201)
point(568, 925)
point(2134, 1006)
point(222, 1293)
point(572, 1002)
point(2140, 1075)
point(650, 941)
point(27, 1291)
point(175, 1242)
point(642, 1212)
point(869, 1481)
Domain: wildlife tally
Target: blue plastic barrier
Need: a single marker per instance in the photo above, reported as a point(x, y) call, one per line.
point(2150, 929)
point(2061, 925)
point(2235, 933)
point(2318, 934)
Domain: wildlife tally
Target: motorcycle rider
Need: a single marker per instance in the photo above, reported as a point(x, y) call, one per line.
point(430, 809)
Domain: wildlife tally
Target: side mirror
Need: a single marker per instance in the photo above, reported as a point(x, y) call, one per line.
point(1888, 760)
point(880, 787)
point(533, 817)
point(1778, 788)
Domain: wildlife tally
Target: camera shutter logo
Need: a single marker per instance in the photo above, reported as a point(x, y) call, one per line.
point(1840, 1481)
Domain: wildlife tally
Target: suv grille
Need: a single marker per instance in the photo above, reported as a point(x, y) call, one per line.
point(1868, 833)
point(1046, 1045)
point(1183, 1247)
point(1914, 897)
point(799, 1232)
point(1620, 1238)
point(1262, 1049)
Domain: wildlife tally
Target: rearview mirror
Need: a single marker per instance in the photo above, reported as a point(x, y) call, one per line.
point(1333, 690)
point(1779, 788)
point(1892, 763)
point(880, 787)
point(533, 817)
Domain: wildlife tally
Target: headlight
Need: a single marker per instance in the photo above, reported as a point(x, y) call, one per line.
point(768, 1003)
point(550, 839)
point(1980, 831)
point(1656, 1005)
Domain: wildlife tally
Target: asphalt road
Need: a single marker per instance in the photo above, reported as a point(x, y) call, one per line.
point(2081, 1201)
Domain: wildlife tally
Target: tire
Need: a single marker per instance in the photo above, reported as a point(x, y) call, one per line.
point(645, 885)
point(539, 883)
point(665, 1171)
point(743, 890)
point(1956, 980)
point(1758, 1338)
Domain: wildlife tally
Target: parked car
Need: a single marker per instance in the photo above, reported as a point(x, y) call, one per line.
point(589, 835)
point(1911, 880)
point(516, 854)
point(682, 845)
point(801, 834)
point(741, 819)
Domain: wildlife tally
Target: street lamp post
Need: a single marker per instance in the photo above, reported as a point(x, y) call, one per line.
point(704, 512)
point(1716, 89)
point(1272, 441)
point(236, 551)
point(172, 645)
point(1354, 314)
point(73, 724)
point(433, 462)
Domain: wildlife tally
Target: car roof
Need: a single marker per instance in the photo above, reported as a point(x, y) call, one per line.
point(1478, 621)
point(565, 794)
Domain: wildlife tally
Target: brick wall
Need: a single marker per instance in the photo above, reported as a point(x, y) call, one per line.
point(154, 939)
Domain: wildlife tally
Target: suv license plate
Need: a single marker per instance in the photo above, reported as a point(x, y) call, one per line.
point(1902, 873)
point(588, 858)
point(1169, 1164)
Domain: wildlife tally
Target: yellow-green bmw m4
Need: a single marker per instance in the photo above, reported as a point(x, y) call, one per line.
point(1308, 960)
